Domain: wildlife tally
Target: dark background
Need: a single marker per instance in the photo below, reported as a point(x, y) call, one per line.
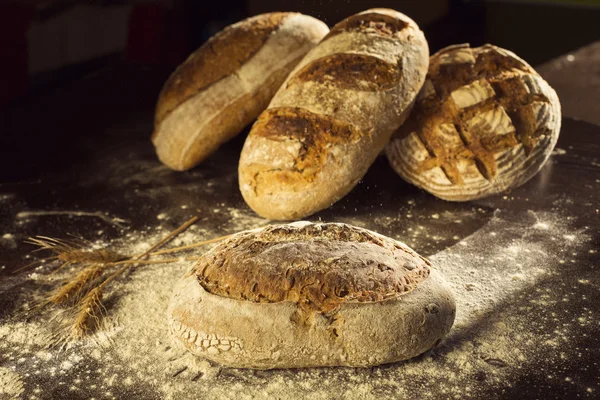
point(70, 67)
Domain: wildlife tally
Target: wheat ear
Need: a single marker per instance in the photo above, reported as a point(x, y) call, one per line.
point(90, 311)
point(72, 291)
point(91, 307)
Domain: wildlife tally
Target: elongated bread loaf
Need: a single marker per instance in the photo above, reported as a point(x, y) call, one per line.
point(333, 115)
point(484, 122)
point(227, 83)
point(306, 295)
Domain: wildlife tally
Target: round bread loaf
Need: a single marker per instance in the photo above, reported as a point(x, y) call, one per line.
point(483, 123)
point(227, 83)
point(333, 115)
point(307, 295)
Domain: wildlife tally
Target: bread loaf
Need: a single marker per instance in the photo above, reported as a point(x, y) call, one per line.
point(227, 82)
point(483, 123)
point(306, 295)
point(333, 115)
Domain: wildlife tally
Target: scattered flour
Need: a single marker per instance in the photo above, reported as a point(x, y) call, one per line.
point(8, 240)
point(162, 216)
point(241, 220)
point(134, 354)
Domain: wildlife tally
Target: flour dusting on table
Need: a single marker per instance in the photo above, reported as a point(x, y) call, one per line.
point(134, 353)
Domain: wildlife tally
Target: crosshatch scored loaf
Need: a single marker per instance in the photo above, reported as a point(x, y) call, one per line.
point(483, 123)
point(305, 295)
point(333, 115)
point(227, 83)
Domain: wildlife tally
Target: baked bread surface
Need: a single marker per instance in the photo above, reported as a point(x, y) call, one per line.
point(333, 115)
point(484, 122)
point(227, 82)
point(304, 294)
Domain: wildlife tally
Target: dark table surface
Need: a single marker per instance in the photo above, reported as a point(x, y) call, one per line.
point(77, 160)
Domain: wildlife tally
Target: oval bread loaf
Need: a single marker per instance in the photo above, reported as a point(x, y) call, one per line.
point(307, 295)
point(483, 123)
point(227, 83)
point(333, 115)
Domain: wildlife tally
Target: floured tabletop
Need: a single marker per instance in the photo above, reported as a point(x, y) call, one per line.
point(523, 265)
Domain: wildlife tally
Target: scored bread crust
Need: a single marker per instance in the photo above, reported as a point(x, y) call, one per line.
point(333, 115)
point(227, 82)
point(303, 295)
point(484, 122)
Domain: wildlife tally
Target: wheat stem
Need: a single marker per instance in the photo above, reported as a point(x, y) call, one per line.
point(157, 245)
point(158, 261)
point(91, 306)
point(169, 237)
point(84, 290)
point(190, 246)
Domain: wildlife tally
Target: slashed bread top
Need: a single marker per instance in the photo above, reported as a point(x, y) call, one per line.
point(318, 266)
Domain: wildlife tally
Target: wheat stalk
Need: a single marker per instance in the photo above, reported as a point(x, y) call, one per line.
point(85, 290)
point(91, 307)
point(191, 246)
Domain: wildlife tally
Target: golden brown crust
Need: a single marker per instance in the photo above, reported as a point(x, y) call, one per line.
point(448, 74)
point(372, 22)
point(317, 266)
point(351, 71)
point(238, 113)
point(479, 102)
point(188, 129)
point(316, 133)
point(221, 56)
point(365, 77)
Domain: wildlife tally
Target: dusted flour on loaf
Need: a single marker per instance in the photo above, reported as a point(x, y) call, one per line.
point(484, 122)
point(305, 295)
point(226, 83)
point(333, 115)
